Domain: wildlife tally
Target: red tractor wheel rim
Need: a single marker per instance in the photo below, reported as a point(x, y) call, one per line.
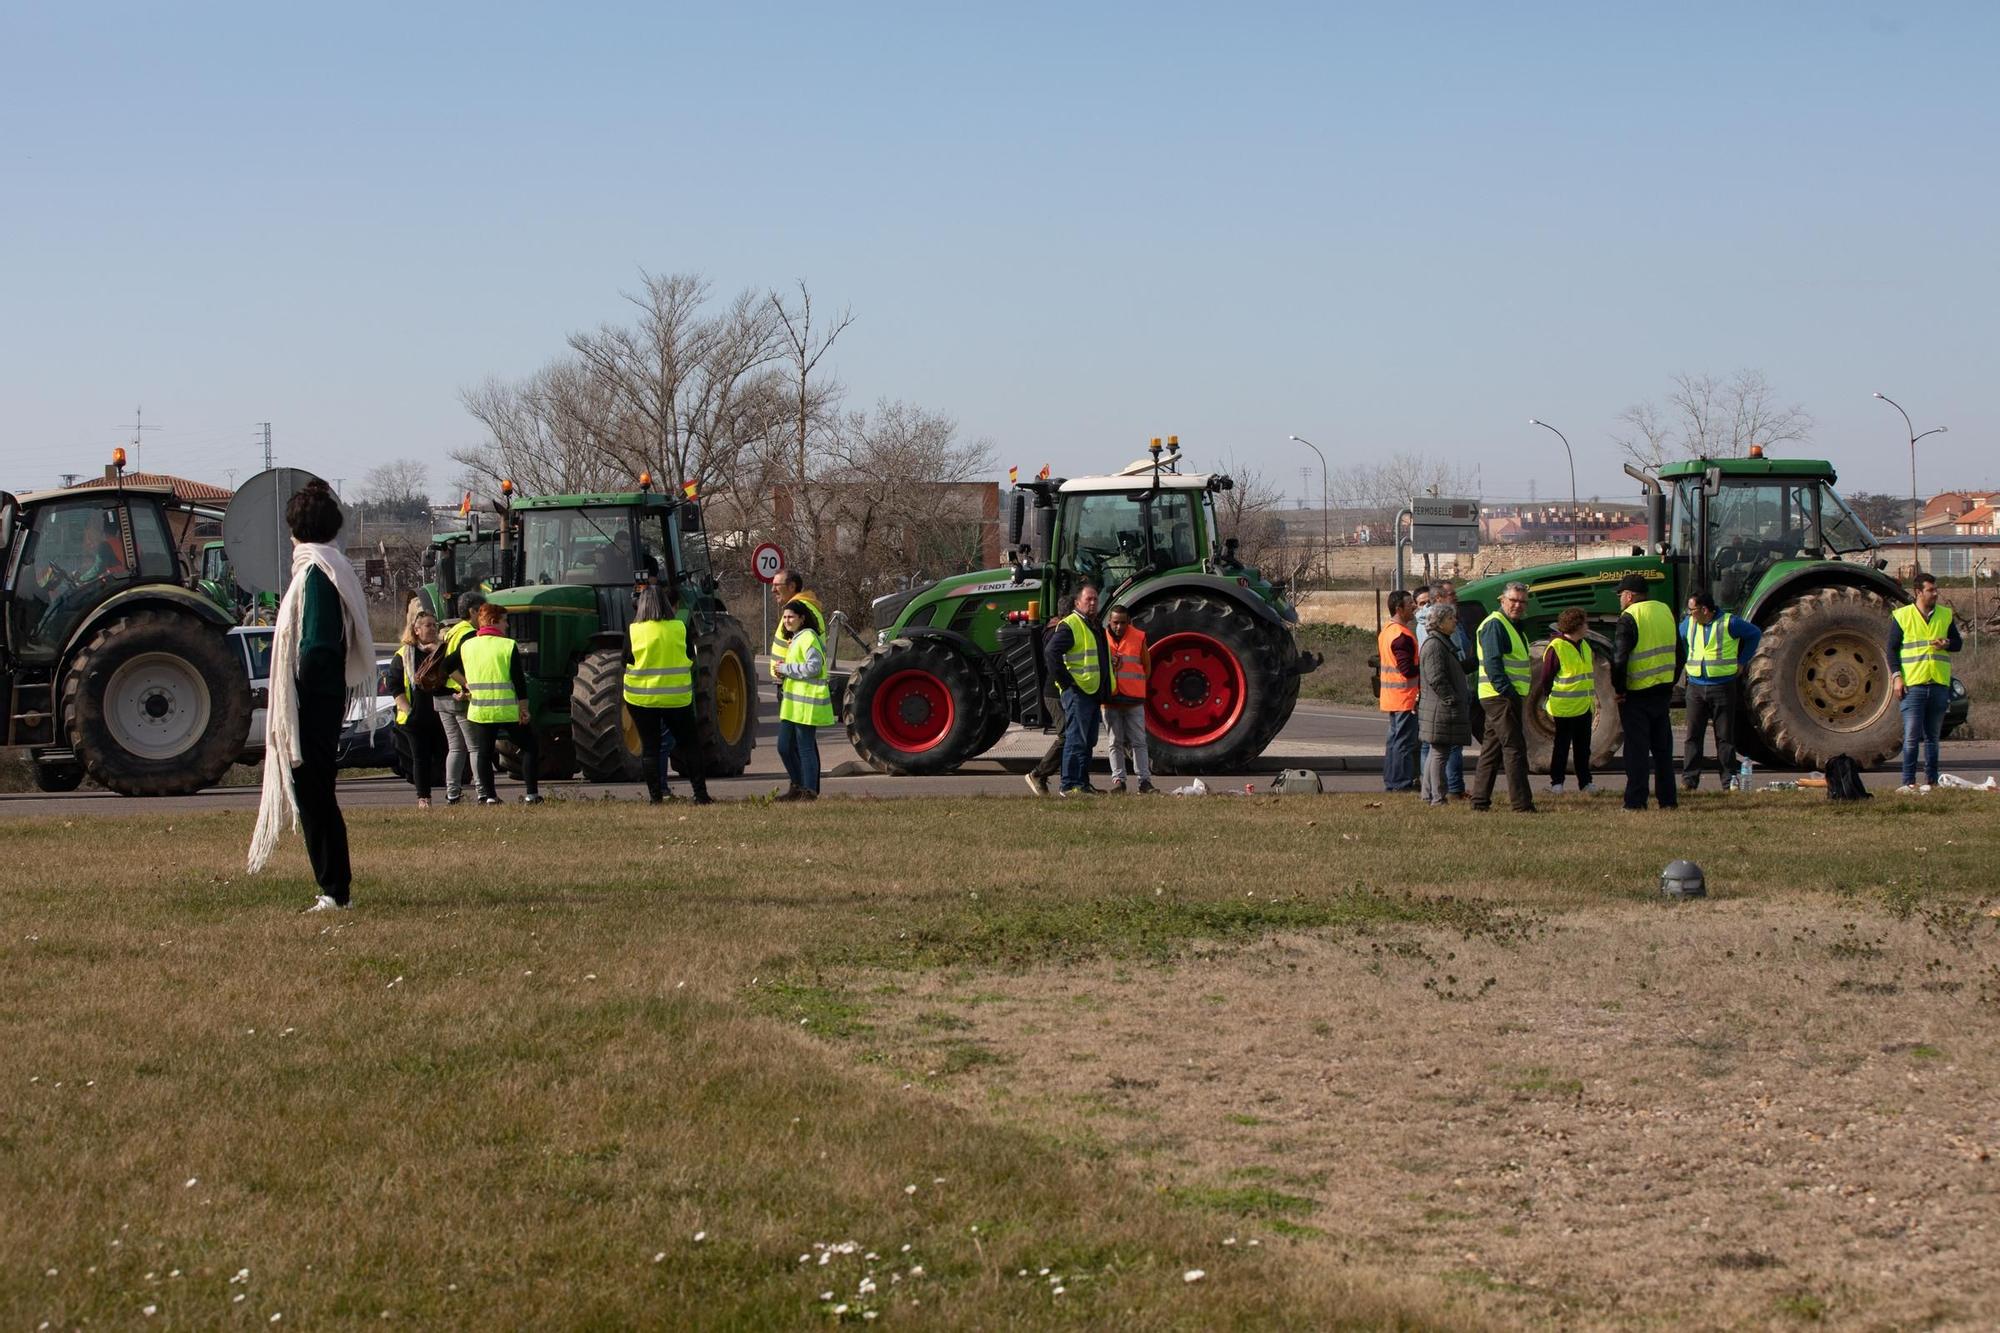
point(913, 711)
point(1195, 694)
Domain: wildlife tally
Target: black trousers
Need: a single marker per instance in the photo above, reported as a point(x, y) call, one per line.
point(1572, 739)
point(1649, 746)
point(485, 735)
point(425, 735)
point(1710, 705)
point(320, 823)
point(1503, 744)
point(679, 723)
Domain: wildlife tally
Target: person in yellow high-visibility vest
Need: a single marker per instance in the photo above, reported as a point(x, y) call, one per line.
point(1719, 647)
point(1504, 679)
point(790, 586)
point(807, 704)
point(659, 693)
point(1568, 690)
point(451, 707)
point(1646, 655)
point(1920, 637)
point(1077, 664)
point(496, 702)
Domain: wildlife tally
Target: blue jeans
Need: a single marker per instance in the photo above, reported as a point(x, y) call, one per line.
point(1399, 756)
point(1923, 719)
point(1454, 767)
point(1080, 718)
point(798, 751)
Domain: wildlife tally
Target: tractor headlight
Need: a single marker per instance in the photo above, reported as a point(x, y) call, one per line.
point(881, 638)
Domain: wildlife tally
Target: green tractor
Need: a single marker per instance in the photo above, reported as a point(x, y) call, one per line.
point(115, 662)
point(1772, 541)
point(467, 560)
point(565, 567)
point(956, 660)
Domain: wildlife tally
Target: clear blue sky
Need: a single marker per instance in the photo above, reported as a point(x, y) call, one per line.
point(1398, 227)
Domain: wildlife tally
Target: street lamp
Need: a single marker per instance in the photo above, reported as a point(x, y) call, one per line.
point(1916, 561)
point(1575, 547)
point(1325, 514)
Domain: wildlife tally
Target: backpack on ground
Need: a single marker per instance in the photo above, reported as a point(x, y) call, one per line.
point(1297, 782)
point(1843, 780)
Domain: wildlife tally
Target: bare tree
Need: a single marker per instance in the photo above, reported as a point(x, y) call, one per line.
point(1706, 417)
point(1391, 483)
point(1247, 512)
point(397, 490)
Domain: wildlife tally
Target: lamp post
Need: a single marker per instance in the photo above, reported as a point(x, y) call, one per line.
point(1575, 547)
point(1325, 515)
point(1916, 561)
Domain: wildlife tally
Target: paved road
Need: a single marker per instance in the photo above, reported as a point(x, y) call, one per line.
point(1344, 745)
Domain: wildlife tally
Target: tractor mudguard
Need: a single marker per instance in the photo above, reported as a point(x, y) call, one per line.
point(1153, 589)
point(1820, 574)
point(951, 636)
point(167, 596)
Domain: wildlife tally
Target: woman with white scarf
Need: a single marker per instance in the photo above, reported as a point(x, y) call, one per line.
point(322, 657)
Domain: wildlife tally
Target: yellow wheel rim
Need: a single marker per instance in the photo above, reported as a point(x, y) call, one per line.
point(732, 696)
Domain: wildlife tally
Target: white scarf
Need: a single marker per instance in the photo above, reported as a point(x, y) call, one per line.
point(279, 805)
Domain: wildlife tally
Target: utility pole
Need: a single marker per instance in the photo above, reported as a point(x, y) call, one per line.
point(267, 444)
point(139, 429)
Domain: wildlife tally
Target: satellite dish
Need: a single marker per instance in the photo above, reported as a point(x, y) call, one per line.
point(254, 533)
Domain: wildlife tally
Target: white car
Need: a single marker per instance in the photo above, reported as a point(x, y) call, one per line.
point(253, 646)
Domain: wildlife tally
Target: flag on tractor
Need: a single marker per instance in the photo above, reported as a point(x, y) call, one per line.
point(1013, 476)
point(1044, 473)
point(688, 489)
point(465, 505)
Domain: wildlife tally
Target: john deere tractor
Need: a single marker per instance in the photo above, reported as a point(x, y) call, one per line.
point(1772, 541)
point(115, 663)
point(958, 659)
point(457, 562)
point(568, 563)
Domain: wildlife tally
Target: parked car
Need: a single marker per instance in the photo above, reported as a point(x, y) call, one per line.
point(357, 748)
point(1958, 709)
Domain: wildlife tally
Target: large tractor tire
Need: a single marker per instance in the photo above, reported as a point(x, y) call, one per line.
point(157, 704)
point(1607, 731)
point(914, 706)
point(1223, 683)
point(607, 744)
point(997, 723)
point(725, 700)
point(1819, 683)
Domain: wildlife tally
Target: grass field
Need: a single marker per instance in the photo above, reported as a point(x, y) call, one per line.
point(598, 1065)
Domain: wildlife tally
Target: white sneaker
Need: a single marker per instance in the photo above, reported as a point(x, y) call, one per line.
point(1555, 789)
point(323, 903)
point(1588, 789)
point(1907, 789)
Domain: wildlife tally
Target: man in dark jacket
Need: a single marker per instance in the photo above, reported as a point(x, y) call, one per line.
point(1647, 652)
point(1078, 667)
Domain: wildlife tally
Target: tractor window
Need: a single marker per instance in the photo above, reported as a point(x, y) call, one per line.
point(1173, 530)
point(155, 547)
point(1111, 536)
point(475, 563)
point(1841, 529)
point(1682, 538)
point(74, 557)
point(1754, 525)
point(580, 546)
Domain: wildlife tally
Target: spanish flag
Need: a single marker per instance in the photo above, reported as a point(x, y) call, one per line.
point(465, 505)
point(1013, 476)
point(688, 489)
point(1044, 473)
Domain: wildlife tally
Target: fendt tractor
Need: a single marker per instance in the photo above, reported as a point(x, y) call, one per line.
point(956, 660)
point(564, 573)
point(114, 661)
point(467, 560)
point(1772, 541)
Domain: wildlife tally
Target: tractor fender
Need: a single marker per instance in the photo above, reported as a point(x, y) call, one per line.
point(951, 636)
point(1211, 585)
point(150, 596)
point(1833, 573)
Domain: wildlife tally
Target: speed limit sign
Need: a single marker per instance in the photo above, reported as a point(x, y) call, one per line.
point(766, 561)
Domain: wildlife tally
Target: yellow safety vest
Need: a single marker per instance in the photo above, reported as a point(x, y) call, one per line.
point(808, 702)
point(1575, 688)
point(1923, 664)
point(489, 677)
point(457, 634)
point(1712, 651)
point(1652, 660)
point(1514, 662)
point(404, 656)
point(1081, 659)
point(661, 674)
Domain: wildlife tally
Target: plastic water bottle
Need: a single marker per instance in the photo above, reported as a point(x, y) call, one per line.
point(1743, 771)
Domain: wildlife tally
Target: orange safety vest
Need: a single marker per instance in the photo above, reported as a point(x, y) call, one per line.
point(1128, 663)
point(1399, 692)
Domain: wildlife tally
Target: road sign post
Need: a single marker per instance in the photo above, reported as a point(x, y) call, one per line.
point(767, 562)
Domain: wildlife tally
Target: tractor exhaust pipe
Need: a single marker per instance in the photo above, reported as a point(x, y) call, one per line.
point(1656, 508)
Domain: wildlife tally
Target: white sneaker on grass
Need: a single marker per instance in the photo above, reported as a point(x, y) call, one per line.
point(1555, 789)
point(1588, 789)
point(324, 903)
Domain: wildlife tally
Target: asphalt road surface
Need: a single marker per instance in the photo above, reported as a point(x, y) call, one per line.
point(1344, 745)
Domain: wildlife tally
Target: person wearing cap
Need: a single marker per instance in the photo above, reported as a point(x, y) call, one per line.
point(1646, 655)
point(807, 701)
point(1719, 646)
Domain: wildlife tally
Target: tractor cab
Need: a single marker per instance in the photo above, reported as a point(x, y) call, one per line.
point(70, 552)
point(1737, 521)
point(472, 560)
